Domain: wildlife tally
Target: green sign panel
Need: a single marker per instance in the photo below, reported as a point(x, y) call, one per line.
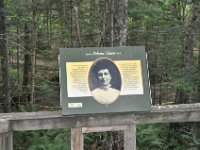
point(102, 80)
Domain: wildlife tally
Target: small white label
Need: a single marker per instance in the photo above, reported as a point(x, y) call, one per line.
point(75, 105)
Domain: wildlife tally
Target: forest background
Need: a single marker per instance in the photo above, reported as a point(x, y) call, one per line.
point(31, 31)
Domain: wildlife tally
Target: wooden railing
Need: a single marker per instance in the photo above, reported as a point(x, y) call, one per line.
point(80, 124)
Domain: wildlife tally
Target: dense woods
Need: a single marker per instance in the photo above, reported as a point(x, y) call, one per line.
point(31, 31)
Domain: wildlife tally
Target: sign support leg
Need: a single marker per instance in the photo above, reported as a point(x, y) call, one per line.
point(76, 139)
point(130, 138)
point(6, 136)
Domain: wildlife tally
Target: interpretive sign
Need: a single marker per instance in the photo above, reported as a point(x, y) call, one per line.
point(108, 79)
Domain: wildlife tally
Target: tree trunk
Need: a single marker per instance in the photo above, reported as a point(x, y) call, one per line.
point(120, 22)
point(187, 62)
point(4, 60)
point(198, 83)
point(18, 66)
point(188, 51)
point(33, 54)
point(115, 35)
point(65, 11)
point(190, 36)
point(120, 38)
point(109, 10)
point(27, 65)
point(92, 40)
point(77, 23)
point(196, 126)
point(115, 23)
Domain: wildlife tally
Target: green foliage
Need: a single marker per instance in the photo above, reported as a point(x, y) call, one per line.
point(161, 137)
point(27, 108)
point(14, 74)
point(42, 140)
point(149, 137)
point(44, 85)
point(45, 88)
point(153, 137)
point(95, 140)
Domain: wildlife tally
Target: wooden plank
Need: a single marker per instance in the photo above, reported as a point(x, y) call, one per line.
point(130, 138)
point(2, 141)
point(103, 129)
point(6, 141)
point(178, 107)
point(56, 114)
point(76, 139)
point(4, 125)
point(53, 120)
point(6, 136)
point(9, 140)
point(104, 120)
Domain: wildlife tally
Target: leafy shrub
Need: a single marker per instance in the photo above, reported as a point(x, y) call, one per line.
point(58, 139)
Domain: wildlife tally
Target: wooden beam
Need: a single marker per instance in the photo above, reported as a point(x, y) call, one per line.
point(54, 119)
point(104, 120)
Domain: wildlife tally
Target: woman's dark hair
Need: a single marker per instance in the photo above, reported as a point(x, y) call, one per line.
point(104, 63)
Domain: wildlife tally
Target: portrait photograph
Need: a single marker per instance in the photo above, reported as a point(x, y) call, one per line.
point(104, 81)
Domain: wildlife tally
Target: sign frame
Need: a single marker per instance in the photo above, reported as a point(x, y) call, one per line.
point(76, 83)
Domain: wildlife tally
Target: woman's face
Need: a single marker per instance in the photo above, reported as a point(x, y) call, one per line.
point(104, 77)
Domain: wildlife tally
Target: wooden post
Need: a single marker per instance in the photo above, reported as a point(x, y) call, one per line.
point(130, 138)
point(76, 139)
point(6, 141)
point(6, 136)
